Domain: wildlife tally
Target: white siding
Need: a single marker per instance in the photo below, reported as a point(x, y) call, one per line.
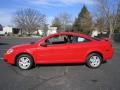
point(95, 33)
point(52, 30)
point(6, 30)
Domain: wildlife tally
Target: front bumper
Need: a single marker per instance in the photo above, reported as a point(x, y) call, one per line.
point(9, 58)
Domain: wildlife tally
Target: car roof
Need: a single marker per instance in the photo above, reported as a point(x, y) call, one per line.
point(70, 33)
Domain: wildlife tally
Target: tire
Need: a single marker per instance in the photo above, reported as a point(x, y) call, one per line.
point(24, 62)
point(94, 60)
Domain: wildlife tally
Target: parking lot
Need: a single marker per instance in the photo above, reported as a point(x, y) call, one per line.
point(58, 77)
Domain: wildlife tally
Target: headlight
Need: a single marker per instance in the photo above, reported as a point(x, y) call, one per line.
point(9, 51)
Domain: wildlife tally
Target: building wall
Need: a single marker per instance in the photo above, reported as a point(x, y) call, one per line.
point(6, 30)
point(95, 33)
point(51, 30)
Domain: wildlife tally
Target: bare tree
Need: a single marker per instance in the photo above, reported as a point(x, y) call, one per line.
point(100, 24)
point(45, 29)
point(65, 20)
point(108, 10)
point(29, 20)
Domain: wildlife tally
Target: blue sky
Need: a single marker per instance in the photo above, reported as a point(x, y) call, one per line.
point(50, 8)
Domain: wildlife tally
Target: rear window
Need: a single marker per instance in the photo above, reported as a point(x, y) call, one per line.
point(78, 39)
point(97, 39)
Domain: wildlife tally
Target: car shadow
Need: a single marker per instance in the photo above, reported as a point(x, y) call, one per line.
point(59, 65)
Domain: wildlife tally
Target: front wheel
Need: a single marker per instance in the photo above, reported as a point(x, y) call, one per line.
point(94, 60)
point(24, 62)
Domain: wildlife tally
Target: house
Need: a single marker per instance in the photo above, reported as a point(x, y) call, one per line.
point(9, 30)
point(51, 30)
point(95, 33)
point(6, 30)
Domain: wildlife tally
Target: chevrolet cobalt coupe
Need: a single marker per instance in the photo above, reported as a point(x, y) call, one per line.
point(61, 48)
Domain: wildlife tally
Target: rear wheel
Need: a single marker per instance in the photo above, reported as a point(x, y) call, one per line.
point(24, 62)
point(94, 60)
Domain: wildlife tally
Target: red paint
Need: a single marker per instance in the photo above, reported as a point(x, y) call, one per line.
point(62, 53)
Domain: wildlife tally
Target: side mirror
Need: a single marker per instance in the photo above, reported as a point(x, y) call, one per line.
point(43, 44)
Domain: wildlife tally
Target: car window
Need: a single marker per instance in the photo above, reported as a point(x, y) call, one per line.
point(63, 39)
point(60, 39)
point(77, 39)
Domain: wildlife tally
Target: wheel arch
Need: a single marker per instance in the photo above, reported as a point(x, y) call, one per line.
point(97, 52)
point(26, 54)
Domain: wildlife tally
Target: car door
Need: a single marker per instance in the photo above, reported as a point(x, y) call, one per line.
point(79, 47)
point(56, 51)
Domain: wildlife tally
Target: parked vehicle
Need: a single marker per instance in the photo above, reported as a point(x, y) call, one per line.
point(61, 48)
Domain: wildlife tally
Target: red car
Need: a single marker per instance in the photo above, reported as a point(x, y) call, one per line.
point(61, 48)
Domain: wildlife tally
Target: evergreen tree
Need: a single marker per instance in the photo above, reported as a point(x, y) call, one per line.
point(75, 25)
point(83, 23)
point(56, 23)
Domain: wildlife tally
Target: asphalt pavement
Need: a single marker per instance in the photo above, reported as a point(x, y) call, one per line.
point(58, 77)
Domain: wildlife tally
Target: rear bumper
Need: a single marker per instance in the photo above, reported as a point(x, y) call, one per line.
point(109, 55)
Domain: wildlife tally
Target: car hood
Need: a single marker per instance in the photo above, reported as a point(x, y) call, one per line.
point(23, 46)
